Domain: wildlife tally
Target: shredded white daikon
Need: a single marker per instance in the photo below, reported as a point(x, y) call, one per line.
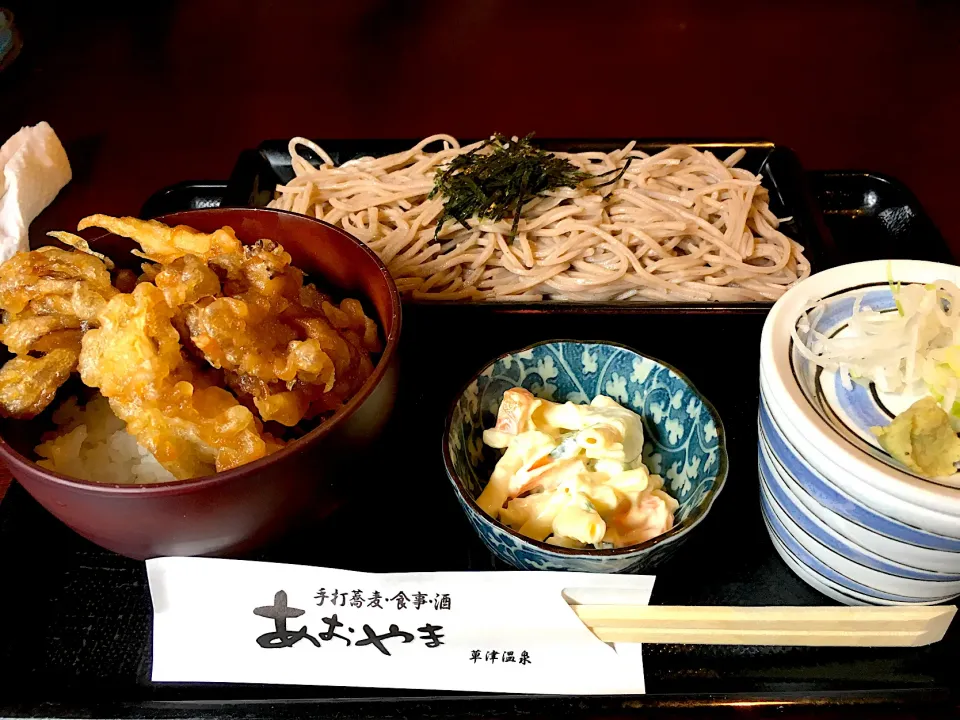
point(917, 345)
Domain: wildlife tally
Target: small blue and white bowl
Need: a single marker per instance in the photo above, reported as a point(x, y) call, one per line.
point(684, 443)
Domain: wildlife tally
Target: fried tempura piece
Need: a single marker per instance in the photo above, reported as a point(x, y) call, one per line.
point(304, 397)
point(66, 339)
point(48, 297)
point(197, 431)
point(24, 334)
point(245, 333)
point(186, 280)
point(82, 245)
point(50, 281)
point(283, 346)
point(192, 427)
point(28, 384)
point(345, 333)
point(136, 350)
point(165, 244)
point(240, 337)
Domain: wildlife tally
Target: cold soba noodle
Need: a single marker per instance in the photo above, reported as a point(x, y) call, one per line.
point(680, 225)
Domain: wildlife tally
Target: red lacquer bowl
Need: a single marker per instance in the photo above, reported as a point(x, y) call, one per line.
point(235, 511)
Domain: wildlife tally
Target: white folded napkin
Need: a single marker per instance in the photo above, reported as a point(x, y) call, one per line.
point(35, 169)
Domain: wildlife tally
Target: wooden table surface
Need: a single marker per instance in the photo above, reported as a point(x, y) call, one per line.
point(159, 92)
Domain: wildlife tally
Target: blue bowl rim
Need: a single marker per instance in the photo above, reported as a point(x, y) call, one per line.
point(775, 489)
point(814, 563)
point(676, 531)
point(781, 545)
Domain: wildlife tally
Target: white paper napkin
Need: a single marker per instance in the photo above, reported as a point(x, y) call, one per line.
point(236, 621)
point(35, 169)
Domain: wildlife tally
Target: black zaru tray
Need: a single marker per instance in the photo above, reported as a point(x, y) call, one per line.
point(76, 634)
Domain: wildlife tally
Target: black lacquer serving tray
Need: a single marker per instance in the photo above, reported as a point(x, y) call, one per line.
point(76, 620)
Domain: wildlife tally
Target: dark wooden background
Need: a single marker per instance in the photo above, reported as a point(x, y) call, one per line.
point(144, 94)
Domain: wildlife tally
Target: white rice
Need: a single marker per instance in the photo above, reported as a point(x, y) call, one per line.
point(92, 444)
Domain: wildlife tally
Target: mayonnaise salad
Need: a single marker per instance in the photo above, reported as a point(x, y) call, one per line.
point(572, 475)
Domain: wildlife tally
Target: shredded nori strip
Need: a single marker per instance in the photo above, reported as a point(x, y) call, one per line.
point(498, 178)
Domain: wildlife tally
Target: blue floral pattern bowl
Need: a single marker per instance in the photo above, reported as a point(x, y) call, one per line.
point(684, 442)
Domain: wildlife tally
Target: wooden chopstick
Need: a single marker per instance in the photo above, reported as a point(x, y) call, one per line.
point(900, 626)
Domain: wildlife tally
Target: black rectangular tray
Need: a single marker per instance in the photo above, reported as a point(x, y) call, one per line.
point(76, 620)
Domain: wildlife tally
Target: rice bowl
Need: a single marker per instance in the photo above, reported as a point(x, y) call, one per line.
point(240, 509)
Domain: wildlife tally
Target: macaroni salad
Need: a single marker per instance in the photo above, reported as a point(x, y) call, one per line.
point(572, 475)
